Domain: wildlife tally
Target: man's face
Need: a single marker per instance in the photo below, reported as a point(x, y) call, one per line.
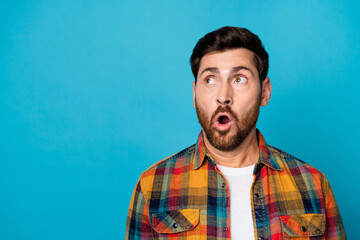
point(227, 97)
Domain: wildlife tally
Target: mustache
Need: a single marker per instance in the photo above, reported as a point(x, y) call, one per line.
point(223, 109)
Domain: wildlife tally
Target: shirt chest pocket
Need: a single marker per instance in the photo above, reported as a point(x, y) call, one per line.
point(303, 226)
point(181, 222)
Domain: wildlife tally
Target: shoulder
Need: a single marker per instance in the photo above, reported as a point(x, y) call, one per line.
point(294, 165)
point(172, 159)
point(165, 167)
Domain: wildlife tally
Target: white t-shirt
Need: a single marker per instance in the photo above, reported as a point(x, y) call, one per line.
point(239, 181)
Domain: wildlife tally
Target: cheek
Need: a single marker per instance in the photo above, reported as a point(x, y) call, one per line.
point(247, 97)
point(206, 104)
point(245, 103)
point(202, 98)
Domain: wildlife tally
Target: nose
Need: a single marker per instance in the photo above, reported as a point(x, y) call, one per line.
point(224, 95)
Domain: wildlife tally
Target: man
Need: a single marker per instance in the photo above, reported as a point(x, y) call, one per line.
point(231, 184)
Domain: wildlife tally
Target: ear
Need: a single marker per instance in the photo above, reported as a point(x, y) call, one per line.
point(194, 85)
point(266, 92)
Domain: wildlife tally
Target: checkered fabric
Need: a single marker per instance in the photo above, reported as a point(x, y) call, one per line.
point(185, 196)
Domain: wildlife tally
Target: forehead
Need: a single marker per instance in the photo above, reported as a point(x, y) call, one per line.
point(228, 59)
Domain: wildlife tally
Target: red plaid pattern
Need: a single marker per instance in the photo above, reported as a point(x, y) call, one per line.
point(186, 197)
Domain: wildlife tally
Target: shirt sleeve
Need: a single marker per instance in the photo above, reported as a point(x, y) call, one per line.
point(138, 222)
point(334, 225)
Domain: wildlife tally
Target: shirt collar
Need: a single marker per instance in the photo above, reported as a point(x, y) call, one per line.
point(265, 156)
point(200, 151)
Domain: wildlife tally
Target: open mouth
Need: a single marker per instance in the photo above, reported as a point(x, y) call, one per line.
point(223, 121)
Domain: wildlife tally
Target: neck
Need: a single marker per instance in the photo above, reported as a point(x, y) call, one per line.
point(246, 154)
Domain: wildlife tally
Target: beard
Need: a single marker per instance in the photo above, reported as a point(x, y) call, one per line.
point(228, 140)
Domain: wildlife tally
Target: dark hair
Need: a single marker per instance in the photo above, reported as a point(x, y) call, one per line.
point(227, 38)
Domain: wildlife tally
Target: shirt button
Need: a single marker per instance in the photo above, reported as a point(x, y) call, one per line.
point(260, 238)
point(175, 225)
point(303, 228)
point(223, 184)
point(224, 229)
point(256, 195)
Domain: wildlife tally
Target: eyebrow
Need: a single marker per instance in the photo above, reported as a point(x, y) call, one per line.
point(234, 69)
point(210, 69)
point(238, 68)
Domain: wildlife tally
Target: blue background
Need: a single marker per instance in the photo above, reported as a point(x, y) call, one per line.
point(94, 92)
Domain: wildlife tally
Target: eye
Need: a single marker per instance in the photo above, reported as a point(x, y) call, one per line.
point(210, 80)
point(240, 79)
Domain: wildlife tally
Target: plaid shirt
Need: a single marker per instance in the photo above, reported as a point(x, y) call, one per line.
point(185, 196)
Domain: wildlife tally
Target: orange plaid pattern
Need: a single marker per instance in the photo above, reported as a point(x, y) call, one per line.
point(185, 196)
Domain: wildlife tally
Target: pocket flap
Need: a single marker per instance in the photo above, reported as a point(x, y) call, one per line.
point(303, 225)
point(175, 221)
